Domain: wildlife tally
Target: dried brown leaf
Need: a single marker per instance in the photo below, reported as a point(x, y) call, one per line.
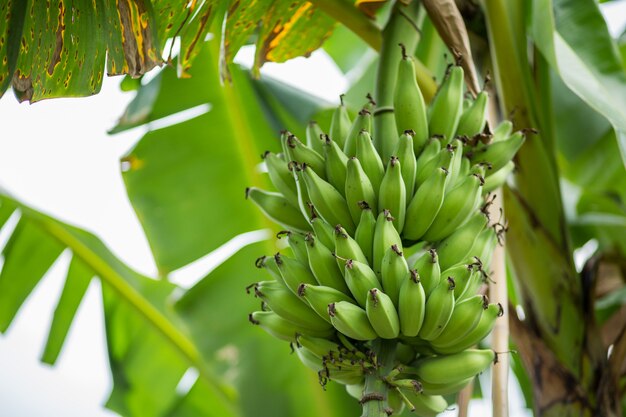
point(449, 23)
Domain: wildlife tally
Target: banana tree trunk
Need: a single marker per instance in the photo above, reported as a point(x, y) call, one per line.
point(558, 341)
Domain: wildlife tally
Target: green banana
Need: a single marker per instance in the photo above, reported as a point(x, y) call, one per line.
point(411, 305)
point(370, 160)
point(485, 244)
point(345, 341)
point(458, 205)
point(427, 266)
point(340, 124)
point(336, 164)
point(425, 405)
point(462, 274)
point(305, 155)
point(269, 264)
point(351, 320)
point(392, 194)
point(464, 319)
point(422, 347)
point(328, 202)
point(296, 243)
point(425, 205)
point(314, 136)
point(294, 272)
point(464, 169)
point(404, 352)
point(274, 325)
point(498, 154)
point(281, 177)
point(382, 314)
point(308, 358)
point(364, 234)
point(476, 281)
point(363, 122)
point(323, 265)
point(453, 368)
point(457, 247)
point(474, 118)
point(406, 156)
point(394, 271)
point(442, 160)
point(284, 135)
point(325, 369)
point(478, 333)
point(446, 107)
point(396, 402)
point(444, 389)
point(371, 103)
point(439, 308)
point(502, 131)
point(360, 278)
point(319, 297)
point(385, 235)
point(345, 373)
point(342, 376)
point(323, 231)
point(282, 328)
point(347, 248)
point(358, 188)
point(322, 348)
point(355, 391)
point(411, 385)
point(409, 106)
point(455, 163)
point(498, 178)
point(287, 305)
point(304, 202)
point(430, 151)
point(277, 208)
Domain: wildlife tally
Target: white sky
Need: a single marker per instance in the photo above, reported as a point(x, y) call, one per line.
point(56, 156)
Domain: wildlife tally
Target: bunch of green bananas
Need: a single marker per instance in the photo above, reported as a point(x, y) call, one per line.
point(349, 215)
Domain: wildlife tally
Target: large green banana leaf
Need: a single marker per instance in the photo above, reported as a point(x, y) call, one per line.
point(59, 49)
point(156, 336)
point(576, 43)
point(149, 348)
point(205, 163)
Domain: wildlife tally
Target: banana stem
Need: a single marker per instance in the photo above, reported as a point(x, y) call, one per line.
point(500, 342)
point(401, 28)
point(374, 399)
point(351, 17)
